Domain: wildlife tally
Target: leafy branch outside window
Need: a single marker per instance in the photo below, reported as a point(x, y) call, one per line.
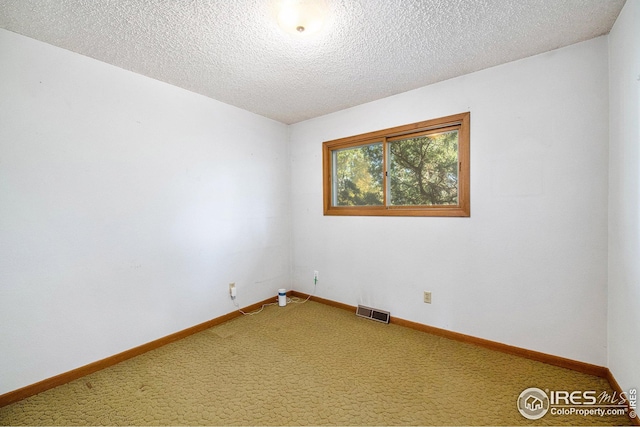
point(420, 169)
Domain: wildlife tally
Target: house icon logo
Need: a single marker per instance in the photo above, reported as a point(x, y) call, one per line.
point(533, 403)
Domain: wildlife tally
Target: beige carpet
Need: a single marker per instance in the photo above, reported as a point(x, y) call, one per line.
point(307, 364)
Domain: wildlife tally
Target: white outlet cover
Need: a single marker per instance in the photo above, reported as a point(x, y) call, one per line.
point(427, 297)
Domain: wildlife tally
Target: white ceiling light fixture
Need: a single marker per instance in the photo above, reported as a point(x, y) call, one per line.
point(302, 17)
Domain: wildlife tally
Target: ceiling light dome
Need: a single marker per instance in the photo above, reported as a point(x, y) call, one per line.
point(301, 17)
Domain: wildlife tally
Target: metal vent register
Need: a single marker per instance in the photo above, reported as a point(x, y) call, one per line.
point(373, 314)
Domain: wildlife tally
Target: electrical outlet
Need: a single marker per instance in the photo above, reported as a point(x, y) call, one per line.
point(427, 297)
point(232, 290)
point(315, 275)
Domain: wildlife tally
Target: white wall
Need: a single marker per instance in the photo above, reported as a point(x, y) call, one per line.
point(624, 200)
point(126, 207)
point(529, 267)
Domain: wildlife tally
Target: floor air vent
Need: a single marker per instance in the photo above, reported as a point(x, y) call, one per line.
point(372, 313)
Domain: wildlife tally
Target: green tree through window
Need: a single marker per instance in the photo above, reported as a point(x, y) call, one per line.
point(421, 169)
point(359, 176)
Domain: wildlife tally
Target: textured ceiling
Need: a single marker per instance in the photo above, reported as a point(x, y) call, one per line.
point(233, 50)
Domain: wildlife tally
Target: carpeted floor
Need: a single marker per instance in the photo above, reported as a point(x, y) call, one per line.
point(308, 364)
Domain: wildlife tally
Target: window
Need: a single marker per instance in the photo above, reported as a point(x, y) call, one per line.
point(421, 169)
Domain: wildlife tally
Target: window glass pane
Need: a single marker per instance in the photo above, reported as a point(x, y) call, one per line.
point(358, 176)
point(423, 170)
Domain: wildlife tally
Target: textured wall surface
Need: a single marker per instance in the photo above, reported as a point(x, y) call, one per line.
point(234, 51)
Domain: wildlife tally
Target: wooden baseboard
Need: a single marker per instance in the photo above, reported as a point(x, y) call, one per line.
point(575, 365)
point(329, 302)
point(616, 387)
point(587, 368)
point(49, 383)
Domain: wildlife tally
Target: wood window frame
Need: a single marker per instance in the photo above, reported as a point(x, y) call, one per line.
point(459, 121)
